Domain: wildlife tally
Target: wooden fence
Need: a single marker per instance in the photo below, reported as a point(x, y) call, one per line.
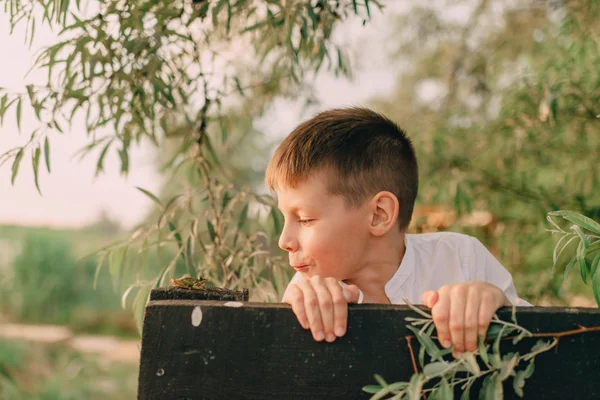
point(204, 349)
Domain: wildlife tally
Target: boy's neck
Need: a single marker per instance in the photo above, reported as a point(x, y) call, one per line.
point(379, 266)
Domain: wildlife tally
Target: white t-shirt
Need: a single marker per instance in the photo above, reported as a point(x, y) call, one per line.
point(432, 260)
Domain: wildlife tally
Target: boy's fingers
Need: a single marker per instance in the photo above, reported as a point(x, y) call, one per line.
point(313, 314)
point(325, 306)
point(430, 298)
point(440, 313)
point(295, 298)
point(486, 313)
point(340, 310)
point(472, 321)
point(457, 319)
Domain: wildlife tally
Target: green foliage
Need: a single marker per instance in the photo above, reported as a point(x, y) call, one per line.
point(162, 72)
point(442, 376)
point(135, 68)
point(585, 232)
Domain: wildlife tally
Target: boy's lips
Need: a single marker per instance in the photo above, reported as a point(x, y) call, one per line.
point(300, 267)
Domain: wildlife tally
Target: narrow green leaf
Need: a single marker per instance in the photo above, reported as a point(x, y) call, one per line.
point(594, 266)
point(581, 261)
point(115, 266)
point(466, 394)
point(32, 32)
point(255, 26)
point(529, 370)
point(3, 107)
point(15, 165)
point(312, 15)
point(211, 230)
point(176, 234)
point(35, 160)
point(238, 86)
point(216, 10)
point(519, 383)
point(380, 380)
point(189, 255)
point(223, 132)
point(508, 367)
point(371, 389)
point(496, 345)
point(425, 341)
point(471, 363)
point(139, 305)
point(415, 386)
point(47, 153)
point(445, 390)
point(19, 114)
point(100, 162)
point(556, 253)
point(568, 268)
point(368, 9)
point(498, 389)
point(151, 196)
point(355, 6)
point(581, 220)
point(434, 368)
point(483, 348)
point(124, 156)
point(582, 236)
point(422, 356)
point(494, 330)
point(596, 281)
point(277, 225)
point(243, 216)
point(99, 264)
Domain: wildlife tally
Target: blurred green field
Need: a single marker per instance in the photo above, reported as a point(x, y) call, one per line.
point(53, 372)
point(44, 281)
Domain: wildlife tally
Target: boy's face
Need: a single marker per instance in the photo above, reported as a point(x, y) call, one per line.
point(321, 235)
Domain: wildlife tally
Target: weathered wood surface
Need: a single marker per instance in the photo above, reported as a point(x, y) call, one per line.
point(259, 351)
point(203, 294)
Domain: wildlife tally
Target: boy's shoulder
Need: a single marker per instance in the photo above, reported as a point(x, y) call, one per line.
point(436, 241)
point(433, 238)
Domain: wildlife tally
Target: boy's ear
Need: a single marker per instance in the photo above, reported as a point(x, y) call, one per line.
point(385, 209)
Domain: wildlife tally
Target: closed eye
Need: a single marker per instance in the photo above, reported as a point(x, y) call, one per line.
point(305, 222)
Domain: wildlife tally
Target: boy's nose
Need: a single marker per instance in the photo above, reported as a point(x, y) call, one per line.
point(287, 243)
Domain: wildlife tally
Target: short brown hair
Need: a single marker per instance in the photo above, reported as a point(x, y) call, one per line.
point(365, 151)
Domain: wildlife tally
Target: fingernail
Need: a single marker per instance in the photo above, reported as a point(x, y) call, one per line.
point(330, 337)
point(457, 354)
point(446, 344)
point(339, 331)
point(320, 336)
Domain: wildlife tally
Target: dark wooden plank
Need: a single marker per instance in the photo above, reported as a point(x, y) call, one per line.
point(259, 351)
point(203, 294)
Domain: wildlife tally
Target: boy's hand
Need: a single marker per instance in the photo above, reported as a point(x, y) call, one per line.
point(321, 304)
point(462, 312)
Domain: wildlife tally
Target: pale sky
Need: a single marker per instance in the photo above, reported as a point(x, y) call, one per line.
point(72, 197)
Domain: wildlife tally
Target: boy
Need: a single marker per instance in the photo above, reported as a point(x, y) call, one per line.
point(346, 182)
